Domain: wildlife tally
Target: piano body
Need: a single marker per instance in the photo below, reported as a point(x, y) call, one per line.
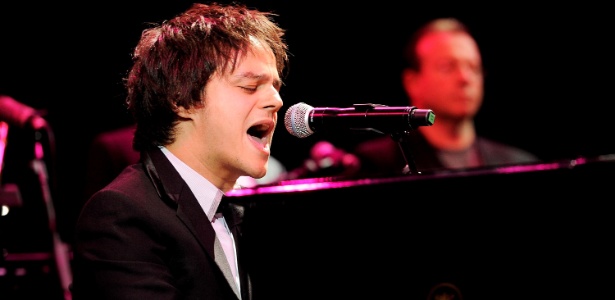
point(531, 231)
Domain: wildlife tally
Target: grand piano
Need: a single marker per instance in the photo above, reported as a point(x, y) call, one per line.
point(535, 231)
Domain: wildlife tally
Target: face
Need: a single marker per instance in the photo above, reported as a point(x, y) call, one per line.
point(231, 134)
point(450, 80)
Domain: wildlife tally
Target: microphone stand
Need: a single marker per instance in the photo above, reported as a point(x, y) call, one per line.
point(60, 249)
point(9, 193)
point(404, 145)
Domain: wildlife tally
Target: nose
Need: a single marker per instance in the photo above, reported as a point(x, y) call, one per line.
point(273, 101)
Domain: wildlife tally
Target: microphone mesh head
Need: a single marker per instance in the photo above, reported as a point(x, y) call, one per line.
point(296, 120)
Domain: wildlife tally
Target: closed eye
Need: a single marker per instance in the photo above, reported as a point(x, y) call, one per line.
point(249, 89)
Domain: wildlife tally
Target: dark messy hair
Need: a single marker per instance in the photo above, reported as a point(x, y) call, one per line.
point(173, 62)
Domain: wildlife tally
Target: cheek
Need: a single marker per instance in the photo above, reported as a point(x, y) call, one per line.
point(479, 85)
point(228, 121)
point(210, 124)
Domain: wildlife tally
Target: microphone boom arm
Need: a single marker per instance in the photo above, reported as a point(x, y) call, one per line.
point(427, 117)
point(404, 145)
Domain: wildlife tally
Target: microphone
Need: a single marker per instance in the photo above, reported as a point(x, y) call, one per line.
point(302, 120)
point(19, 114)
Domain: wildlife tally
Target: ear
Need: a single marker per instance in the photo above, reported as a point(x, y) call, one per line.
point(183, 112)
point(408, 80)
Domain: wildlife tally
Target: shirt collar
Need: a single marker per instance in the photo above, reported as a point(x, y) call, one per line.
point(207, 194)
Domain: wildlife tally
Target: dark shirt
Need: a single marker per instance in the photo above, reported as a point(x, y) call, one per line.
point(383, 156)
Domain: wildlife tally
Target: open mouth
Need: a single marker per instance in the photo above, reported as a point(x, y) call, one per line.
point(261, 132)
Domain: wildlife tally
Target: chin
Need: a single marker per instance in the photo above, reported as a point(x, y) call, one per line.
point(258, 172)
point(256, 166)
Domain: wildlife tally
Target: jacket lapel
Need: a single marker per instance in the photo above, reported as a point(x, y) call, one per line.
point(173, 189)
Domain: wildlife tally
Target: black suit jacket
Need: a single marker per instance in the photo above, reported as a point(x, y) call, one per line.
point(145, 236)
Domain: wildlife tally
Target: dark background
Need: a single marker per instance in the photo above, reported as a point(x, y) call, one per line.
point(548, 83)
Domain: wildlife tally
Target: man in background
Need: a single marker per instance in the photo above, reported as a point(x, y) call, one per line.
point(444, 73)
